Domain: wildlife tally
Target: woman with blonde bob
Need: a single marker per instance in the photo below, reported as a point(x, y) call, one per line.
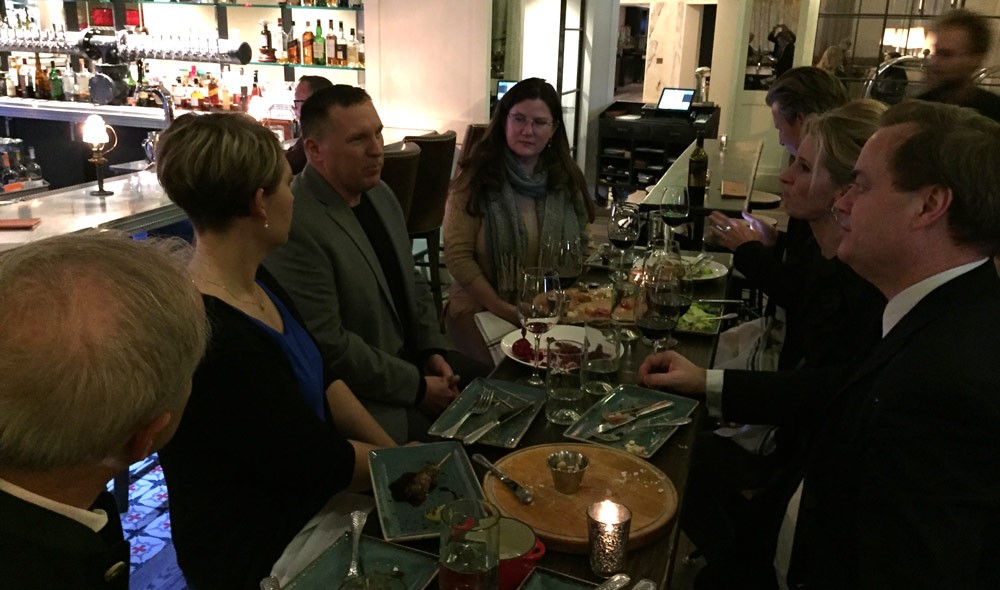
point(267, 439)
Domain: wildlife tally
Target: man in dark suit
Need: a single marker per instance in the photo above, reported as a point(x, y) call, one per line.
point(296, 155)
point(99, 338)
point(349, 267)
point(902, 481)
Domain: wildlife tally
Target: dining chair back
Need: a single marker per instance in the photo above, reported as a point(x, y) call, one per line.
point(473, 134)
point(437, 156)
point(399, 171)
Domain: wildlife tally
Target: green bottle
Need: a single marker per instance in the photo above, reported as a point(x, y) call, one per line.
point(55, 82)
point(319, 45)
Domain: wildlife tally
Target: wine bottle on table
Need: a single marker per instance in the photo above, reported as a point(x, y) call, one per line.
point(698, 173)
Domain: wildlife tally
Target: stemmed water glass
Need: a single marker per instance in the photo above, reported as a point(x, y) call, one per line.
point(665, 295)
point(623, 229)
point(539, 308)
point(566, 257)
point(674, 208)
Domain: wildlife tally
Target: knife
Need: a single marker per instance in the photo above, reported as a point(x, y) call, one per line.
point(500, 419)
point(632, 416)
point(520, 491)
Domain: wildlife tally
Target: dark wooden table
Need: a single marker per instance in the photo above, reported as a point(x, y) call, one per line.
point(656, 560)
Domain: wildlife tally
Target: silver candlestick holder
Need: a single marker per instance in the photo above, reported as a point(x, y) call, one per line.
point(607, 533)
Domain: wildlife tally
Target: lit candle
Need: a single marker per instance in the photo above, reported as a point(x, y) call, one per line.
point(607, 532)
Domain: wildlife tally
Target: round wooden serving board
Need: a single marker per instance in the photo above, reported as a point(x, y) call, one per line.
point(560, 520)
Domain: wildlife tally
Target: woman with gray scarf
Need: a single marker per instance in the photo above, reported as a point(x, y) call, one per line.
point(518, 189)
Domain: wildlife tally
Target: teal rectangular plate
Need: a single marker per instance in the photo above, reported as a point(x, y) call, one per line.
point(415, 569)
point(506, 435)
point(649, 440)
point(543, 579)
point(400, 521)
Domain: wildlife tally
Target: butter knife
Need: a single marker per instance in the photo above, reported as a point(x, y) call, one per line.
point(522, 493)
point(500, 419)
point(633, 416)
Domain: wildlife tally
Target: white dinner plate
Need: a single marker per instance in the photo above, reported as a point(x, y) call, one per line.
point(558, 332)
point(709, 271)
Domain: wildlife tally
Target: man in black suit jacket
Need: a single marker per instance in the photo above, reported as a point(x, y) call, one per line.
point(902, 483)
point(99, 338)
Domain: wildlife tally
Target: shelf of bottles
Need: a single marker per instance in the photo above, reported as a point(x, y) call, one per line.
point(19, 170)
point(356, 8)
point(125, 46)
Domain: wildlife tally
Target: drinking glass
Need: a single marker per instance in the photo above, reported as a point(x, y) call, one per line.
point(470, 546)
point(674, 208)
point(564, 399)
point(664, 296)
point(623, 229)
point(601, 355)
point(566, 257)
point(539, 308)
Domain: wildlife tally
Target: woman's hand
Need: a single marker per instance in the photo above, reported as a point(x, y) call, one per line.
point(768, 234)
point(730, 233)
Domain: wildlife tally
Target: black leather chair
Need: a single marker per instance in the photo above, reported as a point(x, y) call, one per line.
point(399, 171)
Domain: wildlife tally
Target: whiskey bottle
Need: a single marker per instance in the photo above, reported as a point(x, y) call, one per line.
point(353, 56)
point(294, 50)
point(307, 45)
point(331, 45)
point(319, 45)
point(341, 46)
point(282, 49)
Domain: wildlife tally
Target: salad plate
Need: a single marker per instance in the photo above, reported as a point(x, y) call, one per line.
point(404, 567)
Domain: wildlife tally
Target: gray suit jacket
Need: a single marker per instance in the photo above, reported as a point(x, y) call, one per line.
point(331, 271)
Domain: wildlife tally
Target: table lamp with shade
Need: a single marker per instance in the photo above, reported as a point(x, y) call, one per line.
point(96, 133)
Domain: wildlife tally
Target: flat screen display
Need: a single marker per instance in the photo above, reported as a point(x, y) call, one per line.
point(675, 99)
point(503, 86)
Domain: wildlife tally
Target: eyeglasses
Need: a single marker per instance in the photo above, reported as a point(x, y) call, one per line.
point(519, 121)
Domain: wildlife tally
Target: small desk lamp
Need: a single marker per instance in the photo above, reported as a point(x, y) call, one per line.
point(95, 132)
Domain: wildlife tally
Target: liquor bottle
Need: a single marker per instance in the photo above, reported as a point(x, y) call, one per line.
point(342, 46)
point(698, 173)
point(319, 45)
point(331, 45)
point(7, 176)
point(353, 57)
point(294, 51)
point(22, 77)
point(307, 45)
point(256, 85)
point(20, 171)
point(34, 170)
point(266, 49)
point(130, 81)
point(213, 92)
point(55, 82)
point(141, 94)
point(11, 83)
point(361, 50)
point(282, 49)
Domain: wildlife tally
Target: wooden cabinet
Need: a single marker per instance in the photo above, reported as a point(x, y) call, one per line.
point(635, 148)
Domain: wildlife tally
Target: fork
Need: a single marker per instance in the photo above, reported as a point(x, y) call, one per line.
point(480, 406)
point(618, 434)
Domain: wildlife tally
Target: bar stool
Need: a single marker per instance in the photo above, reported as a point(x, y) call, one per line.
point(399, 171)
point(437, 156)
point(473, 134)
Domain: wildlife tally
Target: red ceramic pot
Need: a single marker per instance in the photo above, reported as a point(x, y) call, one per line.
point(520, 549)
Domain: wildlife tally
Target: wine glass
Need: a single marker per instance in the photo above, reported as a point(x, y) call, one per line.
point(665, 295)
point(674, 208)
point(539, 308)
point(623, 228)
point(566, 257)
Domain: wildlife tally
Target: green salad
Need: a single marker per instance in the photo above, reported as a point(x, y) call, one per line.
point(696, 319)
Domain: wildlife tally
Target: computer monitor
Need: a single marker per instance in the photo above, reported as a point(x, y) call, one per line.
point(675, 99)
point(503, 86)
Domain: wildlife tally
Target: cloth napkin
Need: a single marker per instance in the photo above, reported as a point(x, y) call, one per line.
point(493, 328)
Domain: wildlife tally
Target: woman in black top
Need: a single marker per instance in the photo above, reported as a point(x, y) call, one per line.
point(267, 439)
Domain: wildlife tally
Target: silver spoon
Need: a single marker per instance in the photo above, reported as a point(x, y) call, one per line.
point(358, 518)
point(615, 582)
point(618, 434)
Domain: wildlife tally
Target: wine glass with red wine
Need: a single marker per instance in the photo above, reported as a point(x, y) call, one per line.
point(674, 208)
point(538, 308)
point(665, 295)
point(566, 257)
point(623, 229)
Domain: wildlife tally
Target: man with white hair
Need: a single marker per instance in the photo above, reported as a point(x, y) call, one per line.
point(99, 338)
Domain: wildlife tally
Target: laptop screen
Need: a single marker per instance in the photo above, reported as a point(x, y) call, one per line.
point(675, 99)
point(503, 86)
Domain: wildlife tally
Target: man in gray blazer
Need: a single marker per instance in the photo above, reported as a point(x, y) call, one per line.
point(349, 268)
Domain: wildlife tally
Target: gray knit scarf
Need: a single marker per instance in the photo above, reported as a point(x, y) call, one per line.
point(561, 215)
